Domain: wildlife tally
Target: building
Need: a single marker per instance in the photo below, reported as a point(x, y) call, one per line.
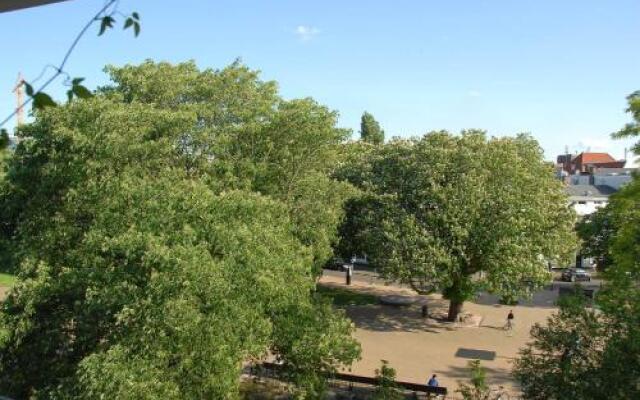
point(587, 162)
point(586, 199)
point(591, 178)
point(614, 177)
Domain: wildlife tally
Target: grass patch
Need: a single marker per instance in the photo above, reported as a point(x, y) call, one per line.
point(7, 280)
point(342, 297)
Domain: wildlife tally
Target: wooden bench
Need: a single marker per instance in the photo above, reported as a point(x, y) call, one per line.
point(367, 380)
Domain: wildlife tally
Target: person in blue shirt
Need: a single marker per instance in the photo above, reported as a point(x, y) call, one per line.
point(433, 381)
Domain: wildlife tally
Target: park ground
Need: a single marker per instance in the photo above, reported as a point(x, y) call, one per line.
point(418, 347)
point(6, 281)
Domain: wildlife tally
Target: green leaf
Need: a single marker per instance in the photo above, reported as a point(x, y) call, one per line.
point(69, 95)
point(107, 22)
point(135, 15)
point(77, 81)
point(136, 29)
point(28, 89)
point(128, 23)
point(82, 92)
point(42, 100)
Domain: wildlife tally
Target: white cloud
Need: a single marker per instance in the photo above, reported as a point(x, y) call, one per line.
point(306, 33)
point(474, 93)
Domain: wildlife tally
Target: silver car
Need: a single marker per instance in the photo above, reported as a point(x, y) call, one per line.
point(575, 275)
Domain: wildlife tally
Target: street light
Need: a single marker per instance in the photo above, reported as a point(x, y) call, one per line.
point(348, 272)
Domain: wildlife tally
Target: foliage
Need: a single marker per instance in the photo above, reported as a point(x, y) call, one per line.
point(386, 388)
point(458, 214)
point(343, 297)
point(4, 139)
point(596, 233)
point(5, 151)
point(478, 390)
point(370, 130)
point(580, 352)
point(161, 236)
point(632, 129)
point(562, 361)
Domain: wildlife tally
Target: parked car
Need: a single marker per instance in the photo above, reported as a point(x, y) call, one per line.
point(355, 260)
point(335, 263)
point(575, 275)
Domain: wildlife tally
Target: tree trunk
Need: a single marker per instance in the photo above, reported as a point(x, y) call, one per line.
point(455, 307)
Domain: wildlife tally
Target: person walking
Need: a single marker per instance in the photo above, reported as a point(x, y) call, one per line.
point(433, 381)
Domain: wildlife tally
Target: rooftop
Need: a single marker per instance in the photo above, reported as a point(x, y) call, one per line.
point(589, 190)
point(595, 158)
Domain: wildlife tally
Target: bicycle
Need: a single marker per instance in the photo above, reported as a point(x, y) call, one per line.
point(508, 327)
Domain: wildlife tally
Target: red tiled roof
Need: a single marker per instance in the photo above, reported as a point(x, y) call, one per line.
point(594, 158)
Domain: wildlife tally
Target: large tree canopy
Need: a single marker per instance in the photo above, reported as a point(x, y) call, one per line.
point(458, 214)
point(165, 232)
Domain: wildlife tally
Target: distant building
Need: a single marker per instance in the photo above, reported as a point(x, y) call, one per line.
point(591, 178)
point(587, 162)
point(586, 199)
point(614, 177)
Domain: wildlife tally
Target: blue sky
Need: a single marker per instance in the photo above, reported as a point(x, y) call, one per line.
point(557, 69)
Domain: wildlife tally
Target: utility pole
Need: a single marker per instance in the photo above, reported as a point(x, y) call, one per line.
point(19, 91)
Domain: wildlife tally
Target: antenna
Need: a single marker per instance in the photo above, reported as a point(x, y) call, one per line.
point(19, 91)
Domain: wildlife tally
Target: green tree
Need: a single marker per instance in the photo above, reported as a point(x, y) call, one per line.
point(632, 129)
point(370, 130)
point(591, 354)
point(160, 236)
point(562, 360)
point(478, 390)
point(596, 233)
point(386, 388)
point(579, 352)
point(5, 152)
point(459, 214)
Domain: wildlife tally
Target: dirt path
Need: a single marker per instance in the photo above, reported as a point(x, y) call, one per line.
point(418, 347)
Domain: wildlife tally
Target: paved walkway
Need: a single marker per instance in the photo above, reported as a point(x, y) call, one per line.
point(418, 347)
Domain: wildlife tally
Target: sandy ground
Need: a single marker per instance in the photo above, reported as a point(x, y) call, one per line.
point(418, 347)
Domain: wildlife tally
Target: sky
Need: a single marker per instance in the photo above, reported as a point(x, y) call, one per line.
point(559, 70)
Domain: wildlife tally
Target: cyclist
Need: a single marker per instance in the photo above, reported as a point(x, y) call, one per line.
point(510, 317)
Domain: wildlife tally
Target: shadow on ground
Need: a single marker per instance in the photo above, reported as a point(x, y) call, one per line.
point(543, 299)
point(388, 318)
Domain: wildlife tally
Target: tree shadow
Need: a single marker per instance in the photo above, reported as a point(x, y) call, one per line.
point(383, 318)
point(545, 298)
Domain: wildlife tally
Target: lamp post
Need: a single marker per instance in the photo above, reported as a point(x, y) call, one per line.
point(348, 270)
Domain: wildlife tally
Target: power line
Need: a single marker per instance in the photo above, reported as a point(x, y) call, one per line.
point(59, 70)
